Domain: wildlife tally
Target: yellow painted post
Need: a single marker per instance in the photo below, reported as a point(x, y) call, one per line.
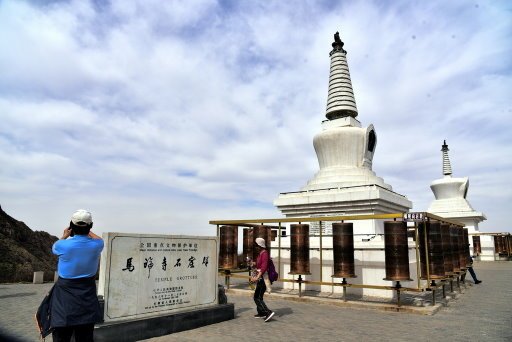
point(418, 269)
point(426, 251)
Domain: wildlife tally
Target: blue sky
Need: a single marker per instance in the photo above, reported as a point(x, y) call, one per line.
point(160, 116)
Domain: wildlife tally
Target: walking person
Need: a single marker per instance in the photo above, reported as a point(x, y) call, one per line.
point(74, 306)
point(471, 271)
point(261, 267)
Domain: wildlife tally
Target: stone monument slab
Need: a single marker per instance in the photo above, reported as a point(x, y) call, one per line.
point(144, 275)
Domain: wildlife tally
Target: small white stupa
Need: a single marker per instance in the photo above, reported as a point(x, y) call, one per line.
point(345, 183)
point(451, 202)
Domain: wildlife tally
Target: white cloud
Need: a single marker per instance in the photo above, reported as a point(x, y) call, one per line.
point(169, 114)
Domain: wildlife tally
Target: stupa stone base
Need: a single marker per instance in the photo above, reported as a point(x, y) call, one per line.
point(356, 200)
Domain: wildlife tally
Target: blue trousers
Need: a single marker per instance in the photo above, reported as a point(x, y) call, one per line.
point(472, 272)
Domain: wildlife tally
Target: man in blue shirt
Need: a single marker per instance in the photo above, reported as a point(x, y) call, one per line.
point(74, 304)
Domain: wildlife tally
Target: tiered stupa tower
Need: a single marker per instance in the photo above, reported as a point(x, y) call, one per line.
point(345, 183)
point(451, 202)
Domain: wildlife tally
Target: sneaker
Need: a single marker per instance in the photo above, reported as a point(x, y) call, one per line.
point(478, 282)
point(259, 316)
point(270, 315)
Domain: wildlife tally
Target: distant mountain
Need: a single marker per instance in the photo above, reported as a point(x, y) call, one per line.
point(23, 251)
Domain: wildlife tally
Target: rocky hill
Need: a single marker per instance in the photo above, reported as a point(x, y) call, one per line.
point(23, 251)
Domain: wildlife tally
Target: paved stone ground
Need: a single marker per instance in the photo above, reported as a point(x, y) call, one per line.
point(482, 313)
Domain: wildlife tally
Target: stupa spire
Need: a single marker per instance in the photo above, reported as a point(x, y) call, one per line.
point(340, 99)
point(447, 168)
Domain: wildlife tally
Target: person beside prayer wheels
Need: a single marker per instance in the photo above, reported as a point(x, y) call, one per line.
point(261, 268)
point(471, 271)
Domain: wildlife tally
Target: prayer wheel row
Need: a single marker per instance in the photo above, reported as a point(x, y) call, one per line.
point(228, 251)
point(343, 250)
point(444, 248)
point(396, 250)
point(502, 244)
point(343, 247)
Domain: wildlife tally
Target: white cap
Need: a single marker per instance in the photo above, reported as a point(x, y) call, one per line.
point(81, 217)
point(260, 242)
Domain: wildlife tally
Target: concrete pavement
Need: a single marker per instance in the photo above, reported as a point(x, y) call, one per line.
point(482, 313)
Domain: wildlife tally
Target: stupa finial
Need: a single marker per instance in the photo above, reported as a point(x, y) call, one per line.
point(447, 168)
point(338, 44)
point(340, 98)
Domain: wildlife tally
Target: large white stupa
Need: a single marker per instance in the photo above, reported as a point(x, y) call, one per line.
point(345, 183)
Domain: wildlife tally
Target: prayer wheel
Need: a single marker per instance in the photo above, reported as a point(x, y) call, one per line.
point(501, 244)
point(228, 251)
point(504, 238)
point(477, 246)
point(447, 249)
point(466, 245)
point(431, 250)
point(496, 244)
point(396, 251)
point(299, 245)
point(343, 250)
point(248, 245)
point(463, 259)
point(454, 238)
point(264, 233)
point(503, 249)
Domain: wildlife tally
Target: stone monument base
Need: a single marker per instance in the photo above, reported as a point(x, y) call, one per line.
point(140, 329)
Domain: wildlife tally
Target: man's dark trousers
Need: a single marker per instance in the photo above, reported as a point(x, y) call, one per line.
point(83, 333)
